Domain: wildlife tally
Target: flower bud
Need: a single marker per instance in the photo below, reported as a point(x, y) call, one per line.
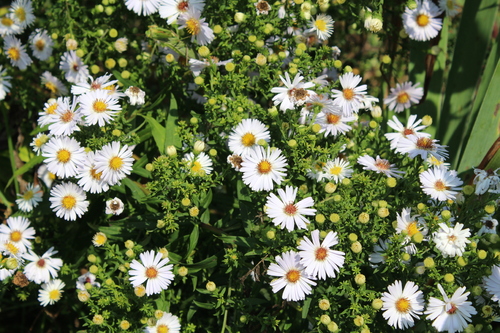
point(377, 304)
point(448, 277)
point(239, 17)
point(325, 319)
point(211, 286)
point(324, 304)
point(356, 247)
point(171, 151)
point(98, 319)
point(182, 271)
point(360, 279)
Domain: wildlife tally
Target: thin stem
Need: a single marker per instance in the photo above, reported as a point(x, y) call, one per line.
point(11, 148)
point(226, 311)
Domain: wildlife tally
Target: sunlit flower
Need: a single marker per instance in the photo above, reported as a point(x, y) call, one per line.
point(121, 44)
point(53, 84)
point(337, 170)
point(294, 93)
point(18, 232)
point(73, 67)
point(42, 269)
point(441, 184)
point(489, 225)
point(168, 323)
point(196, 26)
point(153, 270)
point(41, 44)
point(285, 212)
point(171, 9)
point(414, 145)
point(86, 278)
point(291, 276)
point(16, 52)
point(322, 25)
point(404, 96)
point(114, 162)
point(66, 117)
point(246, 135)
point(5, 84)
point(143, 7)
point(9, 25)
point(23, 12)
point(412, 128)
point(379, 165)
point(200, 164)
point(263, 167)
point(68, 201)
point(63, 155)
point(410, 225)
point(114, 206)
point(316, 172)
point(451, 314)
point(30, 198)
point(451, 241)
point(99, 107)
point(89, 179)
point(333, 122)
point(135, 95)
point(402, 305)
point(99, 239)
point(318, 259)
point(51, 292)
point(422, 23)
point(100, 83)
point(351, 97)
point(492, 283)
point(39, 141)
point(450, 7)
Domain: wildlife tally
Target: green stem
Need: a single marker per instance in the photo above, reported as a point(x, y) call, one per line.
point(226, 311)
point(11, 148)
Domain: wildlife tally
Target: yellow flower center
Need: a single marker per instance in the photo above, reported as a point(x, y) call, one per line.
point(151, 272)
point(440, 186)
point(403, 305)
point(14, 53)
point(40, 44)
point(21, 14)
point(264, 167)
point(293, 275)
point(412, 229)
point(248, 140)
point(100, 239)
point(94, 174)
point(332, 119)
point(100, 106)
point(15, 236)
point(320, 25)
point(193, 26)
point(422, 20)
point(425, 143)
point(52, 176)
point(68, 202)
point(162, 329)
point(51, 109)
point(63, 155)
point(403, 97)
point(115, 163)
point(321, 253)
point(290, 209)
point(55, 295)
point(382, 164)
point(51, 86)
point(28, 195)
point(196, 167)
point(11, 248)
point(452, 238)
point(348, 93)
point(6, 21)
point(335, 170)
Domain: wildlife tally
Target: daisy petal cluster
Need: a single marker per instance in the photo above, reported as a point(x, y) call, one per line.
point(68, 201)
point(41, 269)
point(51, 292)
point(412, 127)
point(440, 183)
point(379, 165)
point(451, 241)
point(422, 23)
point(262, 168)
point(402, 305)
point(294, 93)
point(285, 212)
point(167, 323)
point(196, 26)
point(246, 136)
point(404, 96)
point(143, 7)
point(153, 270)
point(351, 97)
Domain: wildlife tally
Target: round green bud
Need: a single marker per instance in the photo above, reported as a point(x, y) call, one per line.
point(346, 181)
point(109, 10)
point(330, 187)
point(360, 279)
point(337, 198)
point(149, 167)
point(353, 237)
point(429, 262)
point(230, 66)
point(391, 182)
point(199, 80)
point(110, 63)
point(92, 258)
point(94, 69)
point(186, 202)
point(320, 218)
point(477, 290)
point(377, 304)
point(420, 270)
point(169, 58)
point(324, 304)
point(446, 214)
point(194, 211)
point(490, 209)
point(316, 128)
point(356, 247)
point(292, 143)
point(364, 217)
point(427, 120)
point(130, 253)
point(99, 8)
point(334, 217)
point(211, 286)
point(259, 43)
point(468, 189)
point(359, 321)
point(182, 271)
point(383, 212)
point(406, 256)
point(271, 234)
point(449, 278)
point(129, 244)
point(325, 319)
point(461, 261)
point(212, 152)
point(203, 51)
point(93, 269)
point(113, 33)
point(481, 254)
point(417, 237)
point(217, 29)
point(125, 74)
point(332, 327)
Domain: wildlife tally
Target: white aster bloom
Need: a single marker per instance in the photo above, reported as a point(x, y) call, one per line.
point(73, 67)
point(291, 276)
point(373, 24)
point(99, 107)
point(63, 155)
point(9, 25)
point(450, 7)
point(6, 273)
point(16, 52)
point(196, 26)
point(114, 162)
point(100, 83)
point(337, 170)
point(246, 135)
point(114, 206)
point(66, 117)
point(262, 7)
point(379, 165)
point(410, 225)
point(89, 179)
point(379, 255)
point(143, 7)
point(171, 9)
point(45, 175)
point(23, 12)
point(86, 278)
point(153, 270)
point(318, 259)
point(42, 269)
point(422, 22)
point(5, 84)
point(452, 314)
point(294, 93)
point(51, 292)
point(49, 108)
point(441, 184)
point(412, 128)
point(167, 323)
point(451, 241)
point(121, 44)
point(199, 165)
point(439, 162)
point(489, 225)
point(316, 171)
point(322, 25)
point(53, 84)
point(196, 66)
point(486, 181)
point(333, 122)
point(414, 145)
point(41, 44)
point(30, 198)
point(18, 232)
point(263, 167)
point(351, 97)
point(68, 201)
point(402, 305)
point(135, 95)
point(492, 283)
point(403, 96)
point(285, 212)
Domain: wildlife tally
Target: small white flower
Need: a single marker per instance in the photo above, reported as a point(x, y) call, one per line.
point(196, 26)
point(402, 305)
point(486, 181)
point(114, 206)
point(9, 25)
point(99, 107)
point(41, 44)
point(66, 117)
point(337, 170)
point(63, 155)
point(114, 162)
point(16, 52)
point(492, 283)
point(49, 108)
point(68, 201)
point(121, 44)
point(410, 225)
point(246, 135)
point(171, 9)
point(153, 270)
point(489, 225)
point(450, 7)
point(322, 25)
point(42, 269)
point(263, 167)
point(51, 292)
point(167, 323)
point(135, 95)
point(18, 232)
point(22, 10)
point(53, 84)
point(73, 67)
point(422, 23)
point(414, 145)
point(294, 93)
point(89, 179)
point(5, 84)
point(86, 278)
point(351, 97)
point(333, 122)
point(451, 241)
point(404, 96)
point(30, 198)
point(441, 184)
point(143, 7)
point(402, 131)
point(316, 171)
point(262, 7)
point(379, 165)
point(100, 83)
point(198, 165)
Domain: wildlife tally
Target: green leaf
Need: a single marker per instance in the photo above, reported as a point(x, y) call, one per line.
point(207, 199)
point(242, 191)
point(138, 192)
point(305, 308)
point(171, 137)
point(193, 240)
point(158, 132)
point(27, 166)
point(205, 217)
point(203, 305)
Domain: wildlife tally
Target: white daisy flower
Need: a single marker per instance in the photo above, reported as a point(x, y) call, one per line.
point(23, 12)
point(99, 107)
point(316, 172)
point(49, 108)
point(45, 175)
point(410, 225)
point(114, 206)
point(246, 135)
point(42, 269)
point(486, 181)
point(322, 25)
point(63, 155)
point(68, 201)
point(439, 162)
point(53, 84)
point(450, 7)
point(167, 323)
point(452, 313)
point(89, 179)
point(121, 44)
point(30, 198)
point(51, 292)
point(41, 44)
point(337, 170)
point(294, 93)
point(16, 52)
point(333, 122)
point(66, 117)
point(9, 25)
point(135, 95)
point(197, 66)
point(422, 23)
point(489, 225)
point(451, 241)
point(261, 167)
point(143, 7)
point(39, 141)
point(100, 83)
point(319, 260)
point(351, 97)
point(285, 212)
point(414, 145)
point(402, 131)
point(171, 9)
point(492, 283)
point(441, 184)
point(401, 306)
point(114, 162)
point(379, 165)
point(262, 7)
point(292, 277)
point(18, 232)
point(153, 270)
point(5, 84)
point(85, 278)
point(404, 96)
point(73, 67)
point(196, 26)
point(379, 255)
point(6, 273)
point(198, 165)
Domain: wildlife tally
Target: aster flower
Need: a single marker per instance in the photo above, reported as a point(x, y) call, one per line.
point(51, 292)
point(333, 122)
point(41, 44)
point(196, 26)
point(441, 184)
point(322, 25)
point(318, 259)
point(439, 162)
point(73, 67)
point(5, 84)
point(99, 239)
point(379, 255)
point(53, 84)
point(121, 44)
point(198, 165)
point(492, 283)
point(167, 323)
point(412, 128)
point(196, 66)
point(22, 10)
point(63, 155)
point(351, 97)
point(402, 305)
point(263, 167)
point(246, 135)
point(89, 179)
point(30, 198)
point(285, 212)
point(101, 83)
point(337, 170)
point(85, 278)
point(16, 52)
point(45, 175)
point(262, 7)
point(153, 270)
point(291, 276)
point(42, 269)
point(414, 145)
point(379, 165)
point(404, 96)
point(114, 162)
point(316, 171)
point(9, 25)
point(450, 7)
point(114, 206)
point(452, 313)
point(18, 232)
point(294, 93)
point(143, 7)
point(171, 9)
point(49, 108)
point(486, 181)
point(135, 95)
point(410, 225)
point(99, 107)
point(68, 201)
point(66, 117)
point(451, 242)
point(489, 225)
point(422, 22)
